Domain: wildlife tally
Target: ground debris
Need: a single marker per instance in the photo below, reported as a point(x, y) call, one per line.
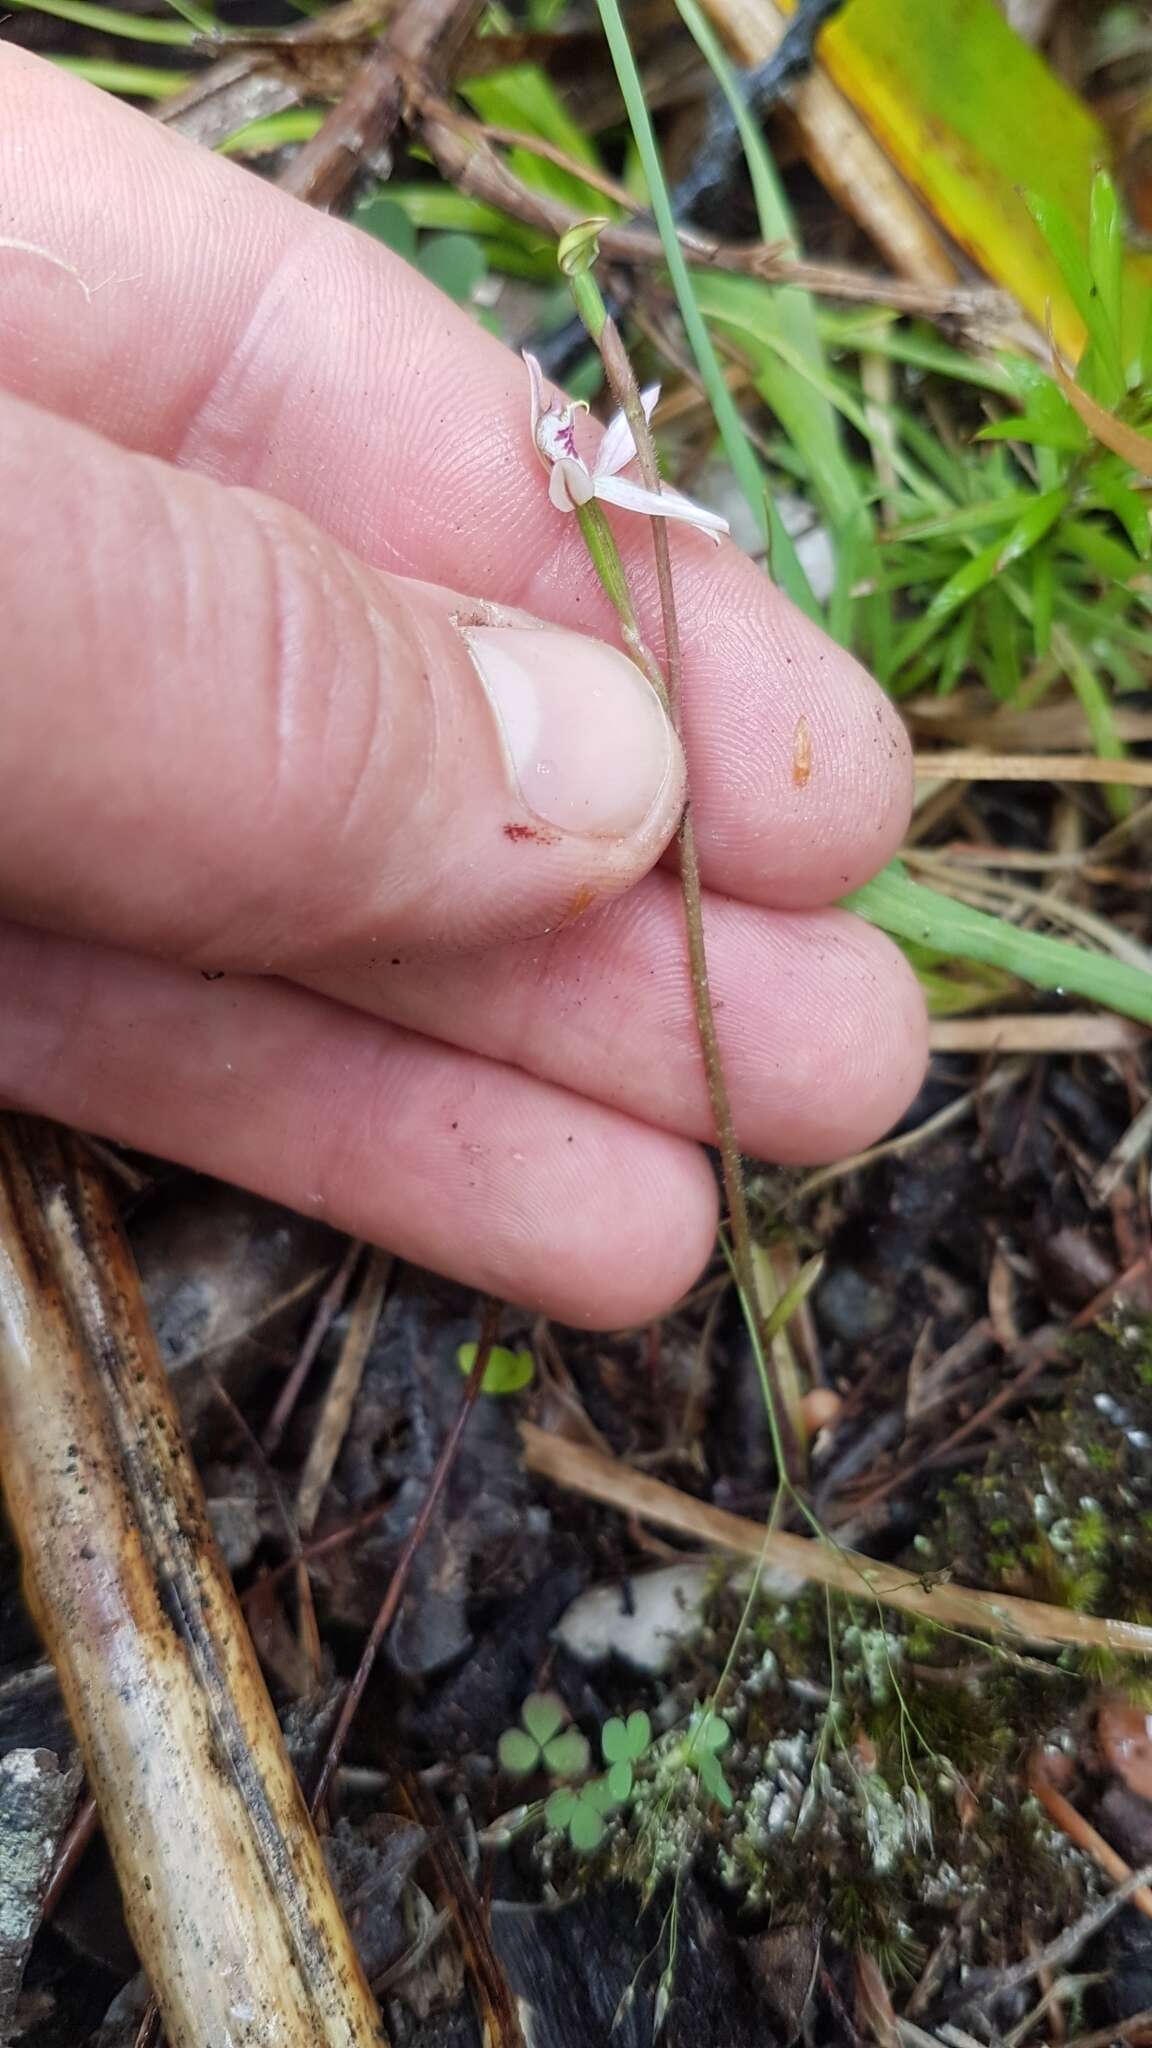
point(37, 1796)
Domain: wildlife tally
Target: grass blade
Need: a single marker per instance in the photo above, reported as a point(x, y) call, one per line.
point(908, 910)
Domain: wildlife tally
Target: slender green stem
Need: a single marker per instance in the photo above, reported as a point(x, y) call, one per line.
point(589, 303)
point(600, 542)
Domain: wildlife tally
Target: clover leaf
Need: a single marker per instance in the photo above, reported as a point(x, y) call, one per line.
point(623, 1743)
point(578, 1812)
point(567, 1755)
point(506, 1371)
point(518, 1753)
point(543, 1742)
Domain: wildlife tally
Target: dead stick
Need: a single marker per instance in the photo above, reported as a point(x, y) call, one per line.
point(1068, 1031)
point(327, 1309)
point(340, 1398)
point(366, 118)
point(1000, 1615)
point(1081, 1831)
point(965, 766)
point(224, 1885)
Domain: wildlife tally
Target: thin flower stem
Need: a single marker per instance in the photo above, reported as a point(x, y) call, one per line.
point(668, 685)
point(601, 545)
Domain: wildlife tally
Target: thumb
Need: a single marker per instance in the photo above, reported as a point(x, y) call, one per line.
point(228, 741)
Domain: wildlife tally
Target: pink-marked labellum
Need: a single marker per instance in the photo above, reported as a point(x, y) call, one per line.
point(572, 483)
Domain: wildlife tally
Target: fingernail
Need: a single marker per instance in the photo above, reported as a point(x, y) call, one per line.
point(585, 736)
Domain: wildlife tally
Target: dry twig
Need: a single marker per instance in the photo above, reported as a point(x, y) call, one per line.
point(332, 1424)
point(1079, 1831)
point(970, 766)
point(1072, 1032)
point(827, 1563)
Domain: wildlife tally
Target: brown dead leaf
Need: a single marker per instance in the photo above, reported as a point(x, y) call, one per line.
point(875, 2013)
point(1111, 432)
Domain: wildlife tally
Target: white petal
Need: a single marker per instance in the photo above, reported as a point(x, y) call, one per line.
point(570, 484)
point(536, 385)
point(618, 448)
point(665, 504)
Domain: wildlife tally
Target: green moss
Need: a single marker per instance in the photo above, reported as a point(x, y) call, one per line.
point(1062, 1510)
point(876, 1765)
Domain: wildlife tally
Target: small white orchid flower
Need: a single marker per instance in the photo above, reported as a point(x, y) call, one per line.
point(572, 483)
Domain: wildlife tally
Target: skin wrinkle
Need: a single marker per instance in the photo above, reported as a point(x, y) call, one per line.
point(255, 861)
point(311, 1071)
point(333, 740)
point(605, 1007)
point(208, 439)
point(234, 307)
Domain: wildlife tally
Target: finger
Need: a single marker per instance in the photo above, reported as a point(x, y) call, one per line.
point(226, 740)
point(453, 1161)
point(227, 327)
point(821, 1020)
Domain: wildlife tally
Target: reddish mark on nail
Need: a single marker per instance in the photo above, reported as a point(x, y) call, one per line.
point(802, 753)
point(539, 834)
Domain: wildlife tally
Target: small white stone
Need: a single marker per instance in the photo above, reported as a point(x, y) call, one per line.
point(644, 1622)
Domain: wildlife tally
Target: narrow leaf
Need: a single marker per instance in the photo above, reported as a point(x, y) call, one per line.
point(909, 911)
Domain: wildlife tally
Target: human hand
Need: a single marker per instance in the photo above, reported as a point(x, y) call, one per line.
point(237, 735)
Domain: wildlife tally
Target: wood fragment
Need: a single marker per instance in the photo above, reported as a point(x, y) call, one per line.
point(253, 79)
point(364, 121)
point(326, 1310)
point(1078, 1031)
point(496, 2005)
point(224, 1885)
point(969, 765)
point(1131, 1147)
point(394, 1592)
point(336, 1412)
point(1001, 1615)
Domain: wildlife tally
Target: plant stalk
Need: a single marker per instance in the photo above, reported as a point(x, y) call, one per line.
point(225, 1889)
point(668, 684)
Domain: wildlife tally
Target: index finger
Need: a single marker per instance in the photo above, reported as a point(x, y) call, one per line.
point(211, 320)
